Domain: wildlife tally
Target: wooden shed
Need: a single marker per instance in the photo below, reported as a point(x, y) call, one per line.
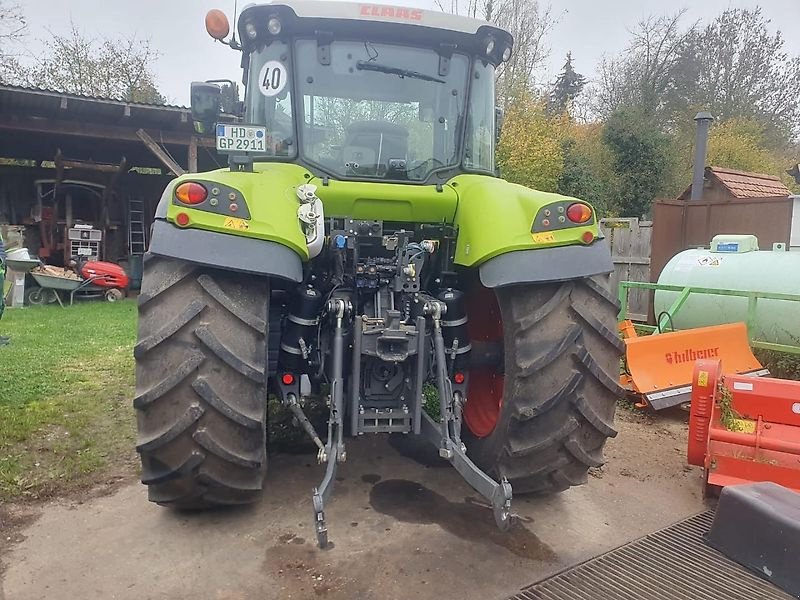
point(733, 202)
point(69, 162)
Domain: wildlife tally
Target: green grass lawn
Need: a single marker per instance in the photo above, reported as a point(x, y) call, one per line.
point(66, 383)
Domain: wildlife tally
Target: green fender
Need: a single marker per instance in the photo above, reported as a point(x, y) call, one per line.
point(496, 233)
point(495, 221)
point(262, 237)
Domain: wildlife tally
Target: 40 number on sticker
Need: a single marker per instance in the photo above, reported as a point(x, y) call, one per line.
point(272, 78)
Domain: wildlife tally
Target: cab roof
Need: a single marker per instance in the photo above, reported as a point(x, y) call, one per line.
point(381, 13)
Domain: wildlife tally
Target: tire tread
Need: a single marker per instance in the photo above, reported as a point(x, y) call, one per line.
point(200, 399)
point(561, 356)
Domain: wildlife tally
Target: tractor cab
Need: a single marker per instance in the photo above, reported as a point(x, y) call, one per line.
point(366, 92)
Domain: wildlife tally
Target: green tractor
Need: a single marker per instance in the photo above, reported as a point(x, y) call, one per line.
point(360, 248)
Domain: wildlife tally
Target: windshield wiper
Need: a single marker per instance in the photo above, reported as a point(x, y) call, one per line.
point(364, 65)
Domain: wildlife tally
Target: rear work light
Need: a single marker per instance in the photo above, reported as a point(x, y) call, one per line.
point(191, 193)
point(579, 212)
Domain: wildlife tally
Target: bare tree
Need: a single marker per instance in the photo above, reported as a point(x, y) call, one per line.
point(643, 74)
point(121, 69)
point(737, 68)
point(12, 29)
point(477, 9)
point(529, 22)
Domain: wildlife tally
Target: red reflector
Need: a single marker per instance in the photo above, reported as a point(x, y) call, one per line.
point(287, 379)
point(459, 378)
point(587, 237)
point(579, 212)
point(191, 193)
point(182, 219)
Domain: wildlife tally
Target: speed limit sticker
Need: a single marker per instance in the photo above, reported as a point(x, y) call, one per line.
point(272, 78)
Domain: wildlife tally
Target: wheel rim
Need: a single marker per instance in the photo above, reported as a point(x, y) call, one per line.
point(485, 389)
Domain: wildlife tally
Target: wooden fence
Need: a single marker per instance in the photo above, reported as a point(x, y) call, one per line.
point(629, 240)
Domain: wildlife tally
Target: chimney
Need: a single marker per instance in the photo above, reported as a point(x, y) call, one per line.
point(703, 121)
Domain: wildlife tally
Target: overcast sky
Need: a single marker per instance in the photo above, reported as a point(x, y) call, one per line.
point(588, 28)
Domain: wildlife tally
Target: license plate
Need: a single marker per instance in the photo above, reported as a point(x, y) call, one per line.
point(241, 138)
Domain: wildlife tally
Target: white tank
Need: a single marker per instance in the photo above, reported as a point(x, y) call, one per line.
point(735, 263)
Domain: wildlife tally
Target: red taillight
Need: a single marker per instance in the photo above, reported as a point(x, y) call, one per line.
point(459, 378)
point(579, 212)
point(191, 193)
point(287, 379)
point(587, 237)
point(182, 219)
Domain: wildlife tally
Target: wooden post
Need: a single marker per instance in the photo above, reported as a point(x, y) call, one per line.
point(159, 152)
point(193, 154)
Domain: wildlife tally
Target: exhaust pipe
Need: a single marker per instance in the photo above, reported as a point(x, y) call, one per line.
point(703, 121)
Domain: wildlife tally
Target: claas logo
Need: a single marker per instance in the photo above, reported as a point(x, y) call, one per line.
point(691, 355)
point(391, 12)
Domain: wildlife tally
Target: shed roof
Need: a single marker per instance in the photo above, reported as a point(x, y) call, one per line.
point(36, 123)
point(742, 184)
point(749, 185)
point(41, 102)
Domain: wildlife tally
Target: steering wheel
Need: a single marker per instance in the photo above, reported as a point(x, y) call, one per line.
point(426, 166)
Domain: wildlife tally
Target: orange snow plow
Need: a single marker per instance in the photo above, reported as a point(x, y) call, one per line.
point(659, 366)
point(744, 429)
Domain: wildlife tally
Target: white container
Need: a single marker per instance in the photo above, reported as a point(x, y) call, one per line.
point(776, 272)
point(19, 254)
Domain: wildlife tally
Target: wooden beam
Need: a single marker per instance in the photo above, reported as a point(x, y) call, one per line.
point(92, 130)
point(159, 152)
point(193, 154)
point(85, 165)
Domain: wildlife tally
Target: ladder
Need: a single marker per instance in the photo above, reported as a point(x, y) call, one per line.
point(137, 242)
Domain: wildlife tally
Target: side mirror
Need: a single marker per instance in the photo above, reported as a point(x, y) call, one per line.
point(231, 105)
point(206, 105)
point(499, 117)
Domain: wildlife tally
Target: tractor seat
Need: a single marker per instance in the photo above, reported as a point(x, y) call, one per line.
point(371, 143)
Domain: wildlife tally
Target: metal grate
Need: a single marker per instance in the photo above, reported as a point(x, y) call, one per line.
point(671, 564)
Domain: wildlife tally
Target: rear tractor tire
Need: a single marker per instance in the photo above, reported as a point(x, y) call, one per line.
point(201, 400)
point(543, 418)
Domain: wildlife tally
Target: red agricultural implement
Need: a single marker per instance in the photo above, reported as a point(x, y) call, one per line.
point(744, 429)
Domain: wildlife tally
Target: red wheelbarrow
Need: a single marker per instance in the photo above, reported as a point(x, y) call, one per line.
point(95, 279)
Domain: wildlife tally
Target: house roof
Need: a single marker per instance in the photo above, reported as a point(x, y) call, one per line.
point(742, 184)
